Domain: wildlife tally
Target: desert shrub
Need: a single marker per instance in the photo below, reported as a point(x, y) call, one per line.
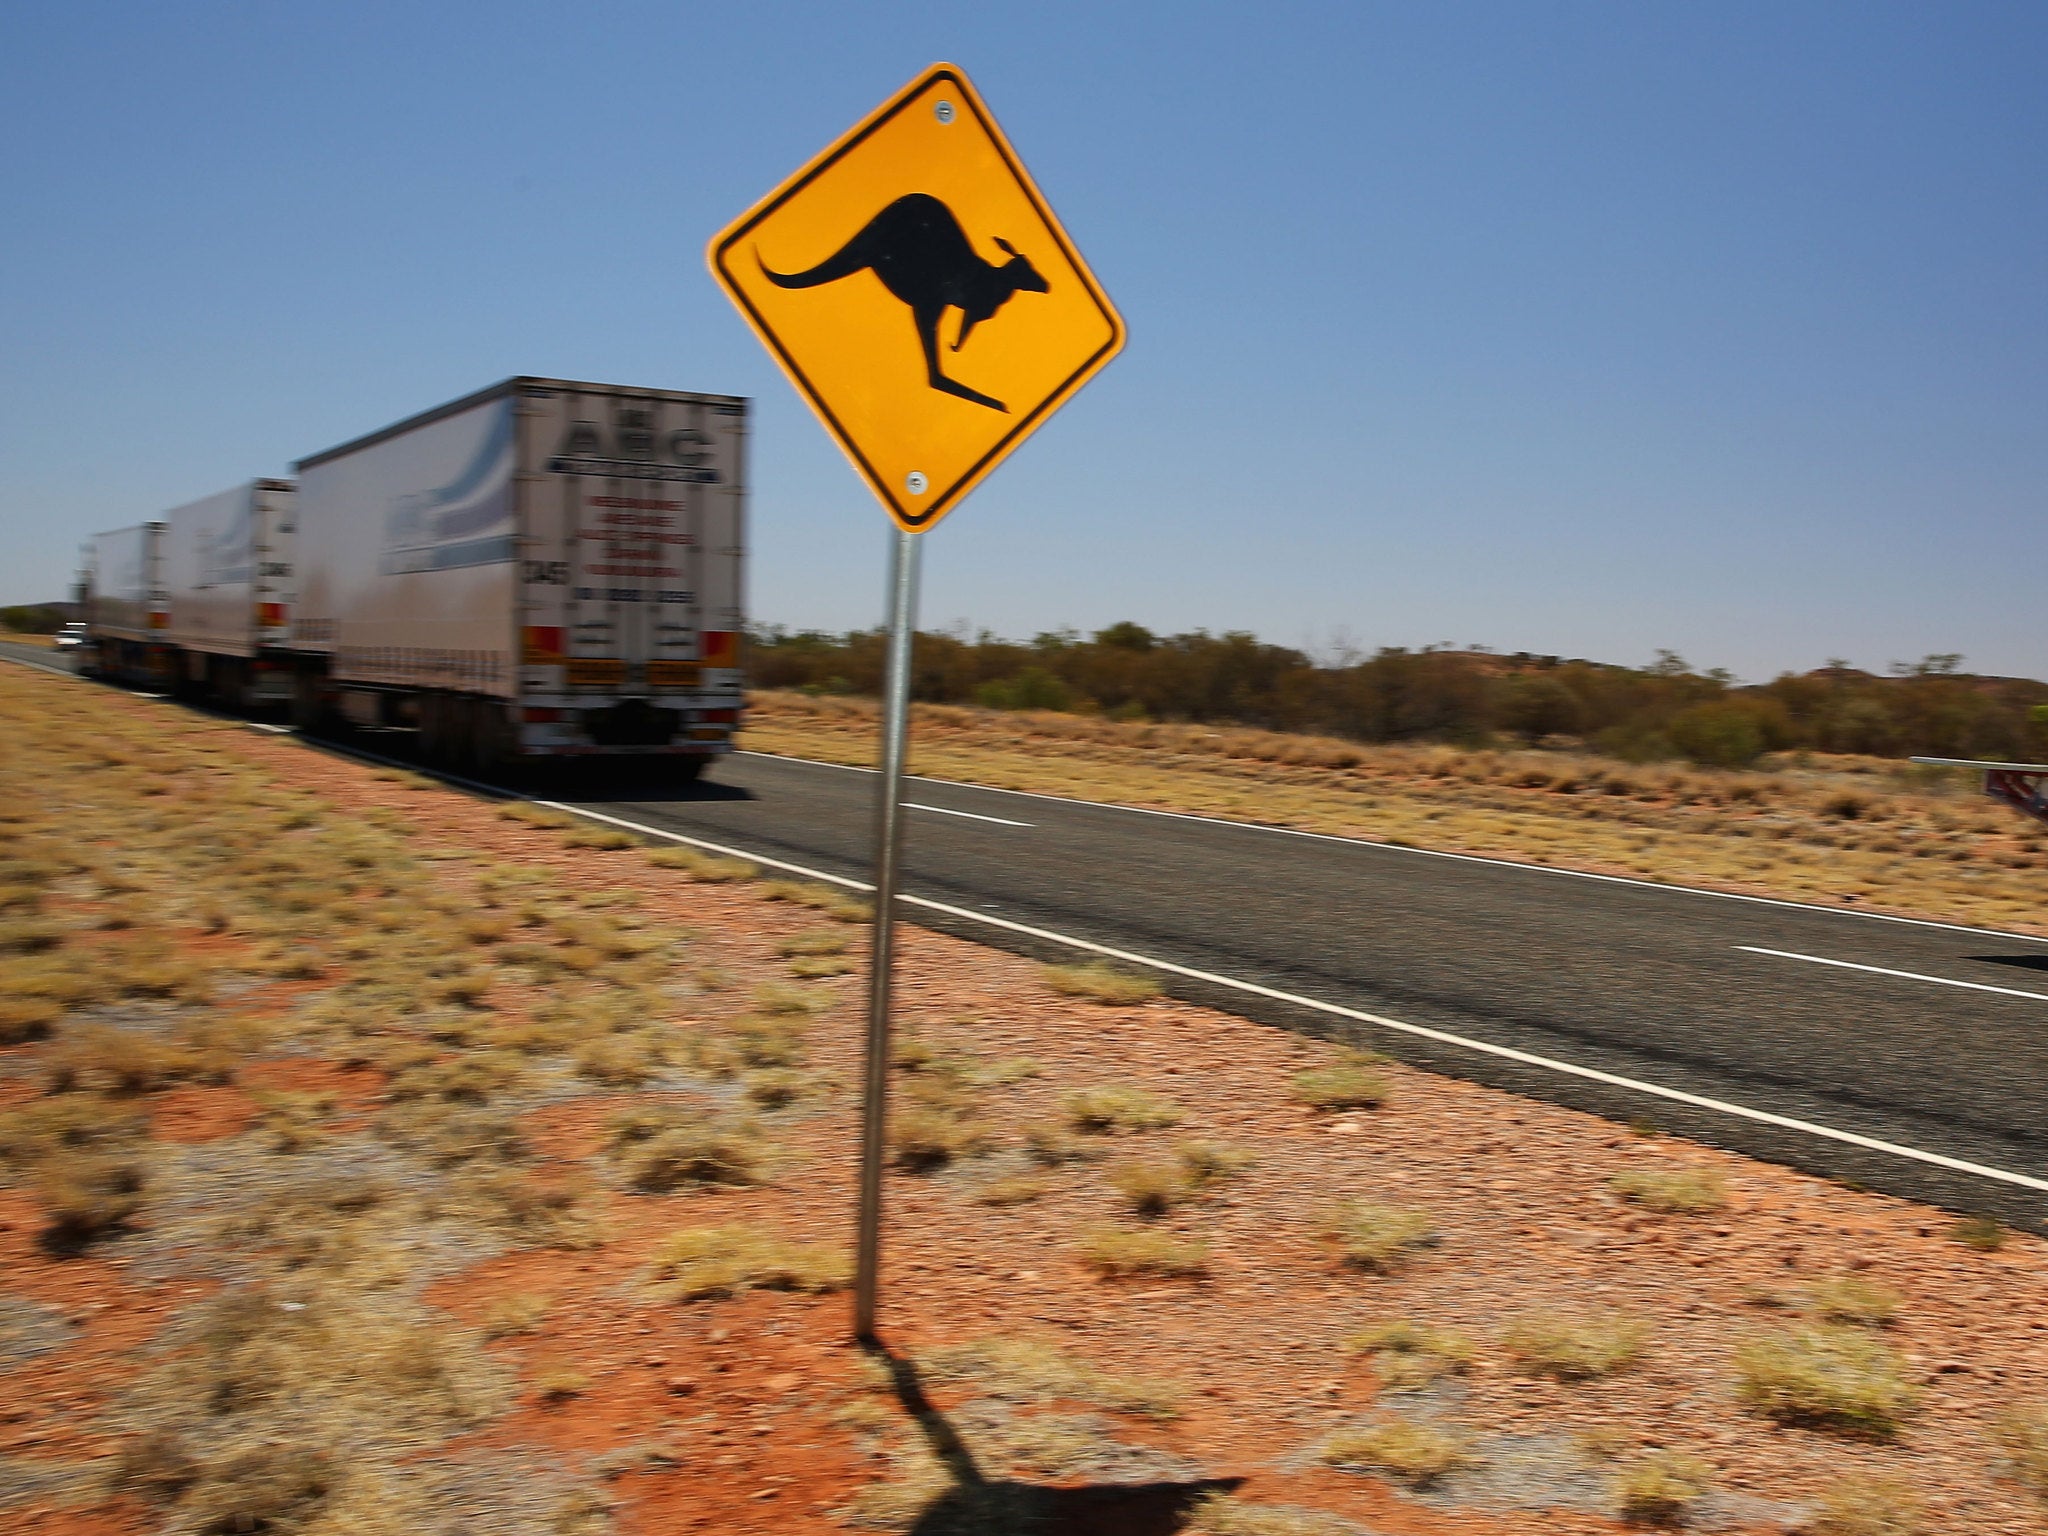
point(1015, 1189)
point(620, 1061)
point(1662, 1488)
point(813, 941)
point(1852, 1299)
point(2022, 1433)
point(791, 1002)
point(1025, 1370)
point(1118, 1251)
point(924, 1136)
point(1204, 1163)
point(1415, 1453)
point(537, 815)
point(1377, 1237)
point(87, 1198)
point(840, 906)
point(1830, 1377)
point(1054, 1145)
point(1101, 983)
point(1116, 1107)
point(603, 838)
point(1986, 1234)
point(1859, 1505)
point(670, 1149)
point(1675, 1191)
point(1347, 1083)
point(708, 868)
point(1221, 1514)
point(1406, 1355)
point(1150, 1187)
point(701, 1262)
point(1573, 1346)
point(774, 1087)
point(518, 1313)
point(766, 1040)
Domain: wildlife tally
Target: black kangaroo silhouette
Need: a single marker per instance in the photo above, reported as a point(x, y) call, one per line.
point(918, 249)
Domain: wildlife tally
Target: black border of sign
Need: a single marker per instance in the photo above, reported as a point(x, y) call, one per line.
point(940, 504)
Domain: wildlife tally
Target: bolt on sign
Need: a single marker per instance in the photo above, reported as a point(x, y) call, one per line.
point(914, 285)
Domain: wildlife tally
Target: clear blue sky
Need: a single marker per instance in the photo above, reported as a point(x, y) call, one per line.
point(1577, 328)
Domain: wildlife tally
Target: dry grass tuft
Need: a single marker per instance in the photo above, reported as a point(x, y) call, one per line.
point(1377, 1237)
point(88, 1198)
point(1120, 1251)
point(1415, 1453)
point(1116, 1107)
point(701, 1262)
point(1852, 1299)
point(708, 868)
point(669, 1148)
point(1674, 1191)
point(1024, 1370)
point(1662, 1488)
point(1859, 1505)
point(1221, 1514)
point(1575, 1346)
point(1150, 1187)
point(1016, 1189)
point(1347, 1083)
point(1406, 1355)
point(813, 941)
point(505, 1316)
point(600, 837)
point(2022, 1433)
point(1986, 1234)
point(840, 906)
point(1828, 1377)
point(1100, 983)
point(537, 816)
point(927, 1136)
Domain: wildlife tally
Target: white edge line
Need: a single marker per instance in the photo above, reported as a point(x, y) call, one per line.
point(1878, 970)
point(1419, 1031)
point(947, 810)
point(1431, 853)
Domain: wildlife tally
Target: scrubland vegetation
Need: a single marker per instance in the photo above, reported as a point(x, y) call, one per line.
point(367, 1153)
point(1834, 829)
point(1666, 710)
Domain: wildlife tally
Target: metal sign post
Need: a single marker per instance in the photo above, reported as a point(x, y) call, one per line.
point(913, 283)
point(904, 559)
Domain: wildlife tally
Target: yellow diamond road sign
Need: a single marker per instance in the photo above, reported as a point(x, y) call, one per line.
point(920, 294)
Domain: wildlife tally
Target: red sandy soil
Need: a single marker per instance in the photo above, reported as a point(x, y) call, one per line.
point(742, 1393)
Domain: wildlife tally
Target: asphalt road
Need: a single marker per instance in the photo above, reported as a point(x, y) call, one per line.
point(1653, 983)
point(1911, 1034)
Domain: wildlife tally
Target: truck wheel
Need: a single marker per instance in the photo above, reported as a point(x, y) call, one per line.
point(690, 769)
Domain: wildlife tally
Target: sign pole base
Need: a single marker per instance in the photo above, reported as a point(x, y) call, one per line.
point(904, 559)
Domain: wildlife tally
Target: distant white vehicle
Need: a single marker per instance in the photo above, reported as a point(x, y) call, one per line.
point(2023, 786)
point(70, 637)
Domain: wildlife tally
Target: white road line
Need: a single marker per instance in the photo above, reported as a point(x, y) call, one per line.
point(1431, 853)
point(265, 725)
point(946, 810)
point(1878, 970)
point(1419, 1031)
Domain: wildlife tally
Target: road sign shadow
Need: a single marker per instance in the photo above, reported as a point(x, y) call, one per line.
point(977, 1506)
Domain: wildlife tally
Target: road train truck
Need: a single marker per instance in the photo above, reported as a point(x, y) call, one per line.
point(121, 597)
point(225, 567)
point(539, 570)
point(199, 600)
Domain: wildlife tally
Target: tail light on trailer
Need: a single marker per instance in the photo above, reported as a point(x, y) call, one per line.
point(719, 717)
point(533, 715)
point(543, 645)
point(720, 648)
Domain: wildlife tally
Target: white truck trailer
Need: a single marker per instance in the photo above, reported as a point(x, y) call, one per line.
point(539, 570)
point(226, 567)
point(123, 597)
